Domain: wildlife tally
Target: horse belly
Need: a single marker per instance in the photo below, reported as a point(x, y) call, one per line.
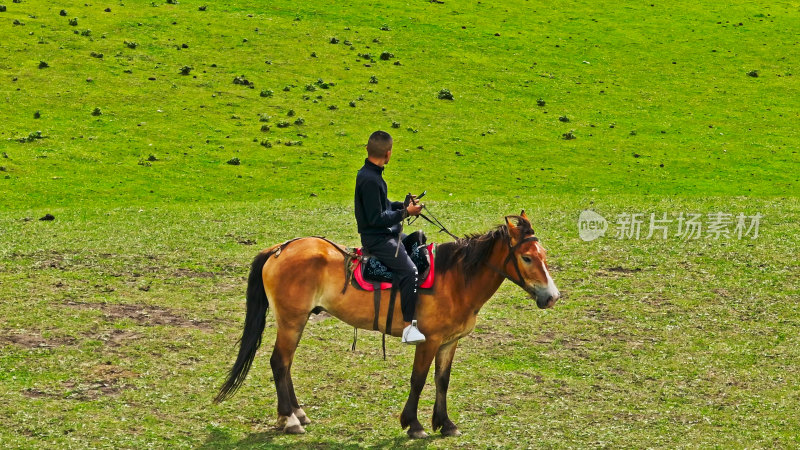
point(354, 308)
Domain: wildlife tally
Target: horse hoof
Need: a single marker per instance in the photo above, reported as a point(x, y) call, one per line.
point(453, 432)
point(294, 429)
point(291, 424)
point(419, 434)
point(301, 416)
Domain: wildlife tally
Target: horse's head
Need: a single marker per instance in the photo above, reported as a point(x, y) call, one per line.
point(527, 261)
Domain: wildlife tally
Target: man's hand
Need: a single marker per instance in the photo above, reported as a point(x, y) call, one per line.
point(413, 209)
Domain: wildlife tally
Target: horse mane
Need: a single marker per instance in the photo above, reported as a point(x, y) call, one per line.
point(472, 251)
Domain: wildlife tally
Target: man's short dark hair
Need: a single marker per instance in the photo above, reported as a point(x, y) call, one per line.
point(379, 144)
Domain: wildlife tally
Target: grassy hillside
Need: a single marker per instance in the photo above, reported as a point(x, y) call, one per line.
point(118, 319)
point(668, 83)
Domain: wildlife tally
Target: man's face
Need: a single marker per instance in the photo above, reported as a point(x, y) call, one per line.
point(389, 154)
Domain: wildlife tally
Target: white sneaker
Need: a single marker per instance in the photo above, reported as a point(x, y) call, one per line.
point(412, 335)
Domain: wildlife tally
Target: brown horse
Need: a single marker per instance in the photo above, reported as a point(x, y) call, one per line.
point(307, 275)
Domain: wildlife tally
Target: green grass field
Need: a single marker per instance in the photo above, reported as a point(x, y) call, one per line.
point(118, 319)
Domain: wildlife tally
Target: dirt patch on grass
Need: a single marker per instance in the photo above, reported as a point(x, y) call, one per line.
point(104, 379)
point(188, 273)
point(107, 380)
point(490, 335)
point(552, 342)
point(119, 265)
point(491, 338)
point(119, 338)
point(624, 269)
point(37, 393)
point(656, 301)
point(109, 373)
point(35, 340)
point(617, 270)
point(724, 293)
point(52, 259)
point(600, 313)
point(545, 337)
point(23, 340)
point(574, 343)
point(143, 314)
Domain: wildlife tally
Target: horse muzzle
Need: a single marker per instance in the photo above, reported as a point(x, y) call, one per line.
point(545, 297)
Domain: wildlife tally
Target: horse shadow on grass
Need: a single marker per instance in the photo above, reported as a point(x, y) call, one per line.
point(219, 439)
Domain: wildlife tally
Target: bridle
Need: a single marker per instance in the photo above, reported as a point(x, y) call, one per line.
point(511, 257)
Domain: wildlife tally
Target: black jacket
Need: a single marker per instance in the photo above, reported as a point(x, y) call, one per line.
point(375, 213)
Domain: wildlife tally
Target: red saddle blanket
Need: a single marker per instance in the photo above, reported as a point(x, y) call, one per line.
point(367, 285)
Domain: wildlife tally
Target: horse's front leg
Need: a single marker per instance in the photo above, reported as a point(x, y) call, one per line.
point(422, 363)
point(444, 361)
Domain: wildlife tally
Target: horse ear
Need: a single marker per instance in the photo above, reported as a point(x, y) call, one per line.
point(510, 223)
point(513, 231)
point(525, 216)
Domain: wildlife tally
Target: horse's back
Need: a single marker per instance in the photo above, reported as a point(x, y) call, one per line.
point(303, 269)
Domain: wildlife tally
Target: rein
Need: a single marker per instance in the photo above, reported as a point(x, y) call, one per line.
point(434, 222)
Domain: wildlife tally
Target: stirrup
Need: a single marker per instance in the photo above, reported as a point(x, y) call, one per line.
point(412, 335)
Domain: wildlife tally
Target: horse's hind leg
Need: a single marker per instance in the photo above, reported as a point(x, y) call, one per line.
point(281, 362)
point(298, 411)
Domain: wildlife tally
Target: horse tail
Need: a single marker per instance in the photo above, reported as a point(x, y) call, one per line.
point(255, 320)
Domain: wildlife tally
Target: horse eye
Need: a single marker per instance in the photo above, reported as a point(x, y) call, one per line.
point(527, 259)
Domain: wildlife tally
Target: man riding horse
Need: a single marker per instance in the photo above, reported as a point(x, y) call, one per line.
point(304, 276)
point(380, 223)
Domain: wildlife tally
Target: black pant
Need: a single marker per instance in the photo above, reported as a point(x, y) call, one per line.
point(384, 246)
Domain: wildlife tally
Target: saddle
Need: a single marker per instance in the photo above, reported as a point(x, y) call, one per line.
point(369, 272)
